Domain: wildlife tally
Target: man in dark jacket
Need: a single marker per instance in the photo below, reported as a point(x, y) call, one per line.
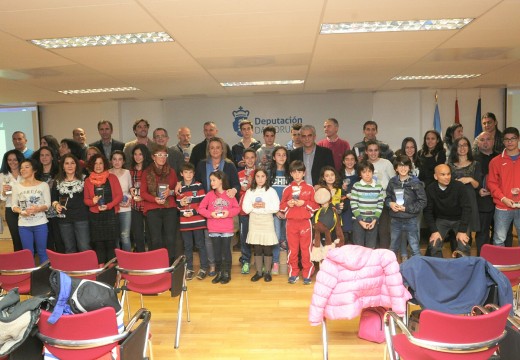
point(107, 145)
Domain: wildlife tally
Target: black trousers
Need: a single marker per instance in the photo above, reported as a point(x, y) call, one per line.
point(11, 218)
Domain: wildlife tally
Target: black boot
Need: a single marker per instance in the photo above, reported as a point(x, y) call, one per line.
point(217, 278)
point(226, 277)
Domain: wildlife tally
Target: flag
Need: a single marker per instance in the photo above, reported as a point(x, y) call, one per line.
point(478, 124)
point(457, 117)
point(437, 119)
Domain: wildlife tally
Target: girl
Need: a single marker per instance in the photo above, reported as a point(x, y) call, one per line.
point(125, 216)
point(31, 199)
point(141, 159)
point(431, 154)
point(329, 179)
point(409, 148)
point(9, 176)
point(349, 177)
point(261, 201)
point(219, 208)
point(279, 178)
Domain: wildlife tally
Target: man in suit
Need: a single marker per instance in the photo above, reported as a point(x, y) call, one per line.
point(313, 156)
point(107, 145)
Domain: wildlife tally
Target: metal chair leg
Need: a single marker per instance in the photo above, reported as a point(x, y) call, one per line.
point(179, 320)
point(325, 340)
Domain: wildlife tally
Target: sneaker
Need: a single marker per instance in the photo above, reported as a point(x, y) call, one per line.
point(276, 269)
point(201, 275)
point(245, 268)
point(212, 271)
point(293, 279)
point(190, 274)
point(307, 281)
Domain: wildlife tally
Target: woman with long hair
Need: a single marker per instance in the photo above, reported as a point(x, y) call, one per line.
point(431, 154)
point(9, 176)
point(453, 132)
point(141, 159)
point(50, 141)
point(409, 148)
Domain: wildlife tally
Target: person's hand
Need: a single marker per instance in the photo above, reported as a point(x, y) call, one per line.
point(187, 213)
point(231, 192)
point(178, 188)
point(95, 199)
point(160, 201)
point(435, 236)
point(31, 210)
point(462, 237)
point(484, 192)
point(280, 215)
point(508, 202)
point(299, 203)
point(242, 163)
point(259, 204)
point(102, 207)
point(58, 208)
point(184, 202)
point(394, 207)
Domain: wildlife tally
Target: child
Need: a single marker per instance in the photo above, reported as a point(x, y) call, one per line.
point(192, 223)
point(279, 178)
point(298, 205)
point(329, 179)
point(349, 177)
point(406, 197)
point(367, 203)
point(261, 202)
point(218, 208)
point(245, 177)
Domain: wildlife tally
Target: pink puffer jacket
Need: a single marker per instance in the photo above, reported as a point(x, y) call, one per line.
point(355, 277)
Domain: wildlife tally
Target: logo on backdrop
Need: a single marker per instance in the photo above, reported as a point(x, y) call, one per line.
point(282, 124)
point(239, 115)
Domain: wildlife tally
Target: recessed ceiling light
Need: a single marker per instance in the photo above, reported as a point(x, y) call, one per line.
point(95, 91)
point(262, 83)
point(436, 77)
point(103, 40)
point(394, 25)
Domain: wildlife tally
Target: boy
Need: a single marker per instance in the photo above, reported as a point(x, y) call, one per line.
point(367, 198)
point(298, 205)
point(406, 197)
point(245, 177)
point(192, 223)
point(264, 154)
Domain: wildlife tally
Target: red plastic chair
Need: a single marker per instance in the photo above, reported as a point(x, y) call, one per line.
point(83, 265)
point(447, 337)
point(148, 273)
point(17, 269)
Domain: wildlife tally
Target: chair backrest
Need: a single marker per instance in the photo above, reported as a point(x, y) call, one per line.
point(145, 284)
point(500, 255)
point(90, 325)
point(23, 259)
point(85, 260)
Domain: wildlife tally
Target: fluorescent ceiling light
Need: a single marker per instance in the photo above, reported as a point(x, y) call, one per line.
point(103, 40)
point(393, 25)
point(436, 77)
point(261, 83)
point(95, 91)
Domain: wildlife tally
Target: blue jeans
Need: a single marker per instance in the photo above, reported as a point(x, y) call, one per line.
point(35, 235)
point(245, 248)
point(125, 221)
point(197, 236)
point(503, 219)
point(75, 235)
point(279, 229)
point(398, 227)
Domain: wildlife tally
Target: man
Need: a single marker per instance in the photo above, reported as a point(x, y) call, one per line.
point(490, 126)
point(333, 142)
point(79, 136)
point(264, 155)
point(486, 208)
point(140, 128)
point(247, 141)
point(175, 157)
point(199, 151)
point(106, 144)
point(296, 140)
point(370, 132)
point(447, 208)
point(313, 156)
point(184, 145)
point(20, 144)
point(504, 184)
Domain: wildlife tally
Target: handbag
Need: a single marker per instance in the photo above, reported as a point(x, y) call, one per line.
point(371, 326)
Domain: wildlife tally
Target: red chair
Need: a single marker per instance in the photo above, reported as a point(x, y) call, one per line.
point(148, 273)
point(447, 337)
point(83, 265)
point(93, 334)
point(17, 269)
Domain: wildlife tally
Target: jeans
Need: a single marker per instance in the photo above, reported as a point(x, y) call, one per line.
point(222, 248)
point(279, 229)
point(138, 229)
point(443, 227)
point(162, 224)
point(11, 218)
point(125, 221)
point(35, 235)
point(399, 226)
point(197, 236)
point(245, 248)
point(503, 219)
point(75, 235)
point(209, 248)
point(364, 237)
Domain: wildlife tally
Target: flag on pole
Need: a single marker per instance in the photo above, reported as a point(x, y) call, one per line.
point(478, 124)
point(457, 116)
point(437, 118)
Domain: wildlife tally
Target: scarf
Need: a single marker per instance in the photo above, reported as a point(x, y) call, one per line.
point(99, 179)
point(158, 176)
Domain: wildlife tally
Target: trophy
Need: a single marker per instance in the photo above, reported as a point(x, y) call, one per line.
point(7, 182)
point(137, 191)
point(161, 188)
point(99, 191)
point(399, 197)
point(296, 192)
point(63, 200)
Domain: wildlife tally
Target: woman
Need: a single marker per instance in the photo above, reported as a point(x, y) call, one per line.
point(67, 199)
point(141, 159)
point(50, 141)
point(409, 148)
point(9, 176)
point(453, 132)
point(160, 208)
point(91, 150)
point(490, 125)
point(125, 216)
point(31, 199)
point(102, 194)
point(431, 155)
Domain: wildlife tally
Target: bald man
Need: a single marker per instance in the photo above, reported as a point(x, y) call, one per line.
point(447, 209)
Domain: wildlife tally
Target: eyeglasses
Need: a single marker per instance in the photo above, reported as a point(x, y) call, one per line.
point(161, 155)
point(510, 139)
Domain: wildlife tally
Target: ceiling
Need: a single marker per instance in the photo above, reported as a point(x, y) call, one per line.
point(238, 40)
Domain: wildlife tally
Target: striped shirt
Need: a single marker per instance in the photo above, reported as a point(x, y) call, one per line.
point(367, 201)
point(196, 191)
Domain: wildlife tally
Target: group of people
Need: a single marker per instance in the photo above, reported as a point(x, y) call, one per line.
point(71, 197)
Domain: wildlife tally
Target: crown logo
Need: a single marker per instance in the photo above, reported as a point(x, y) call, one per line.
point(238, 116)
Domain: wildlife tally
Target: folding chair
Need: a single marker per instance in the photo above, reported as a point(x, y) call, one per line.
point(446, 336)
point(17, 269)
point(148, 273)
point(93, 334)
point(84, 265)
